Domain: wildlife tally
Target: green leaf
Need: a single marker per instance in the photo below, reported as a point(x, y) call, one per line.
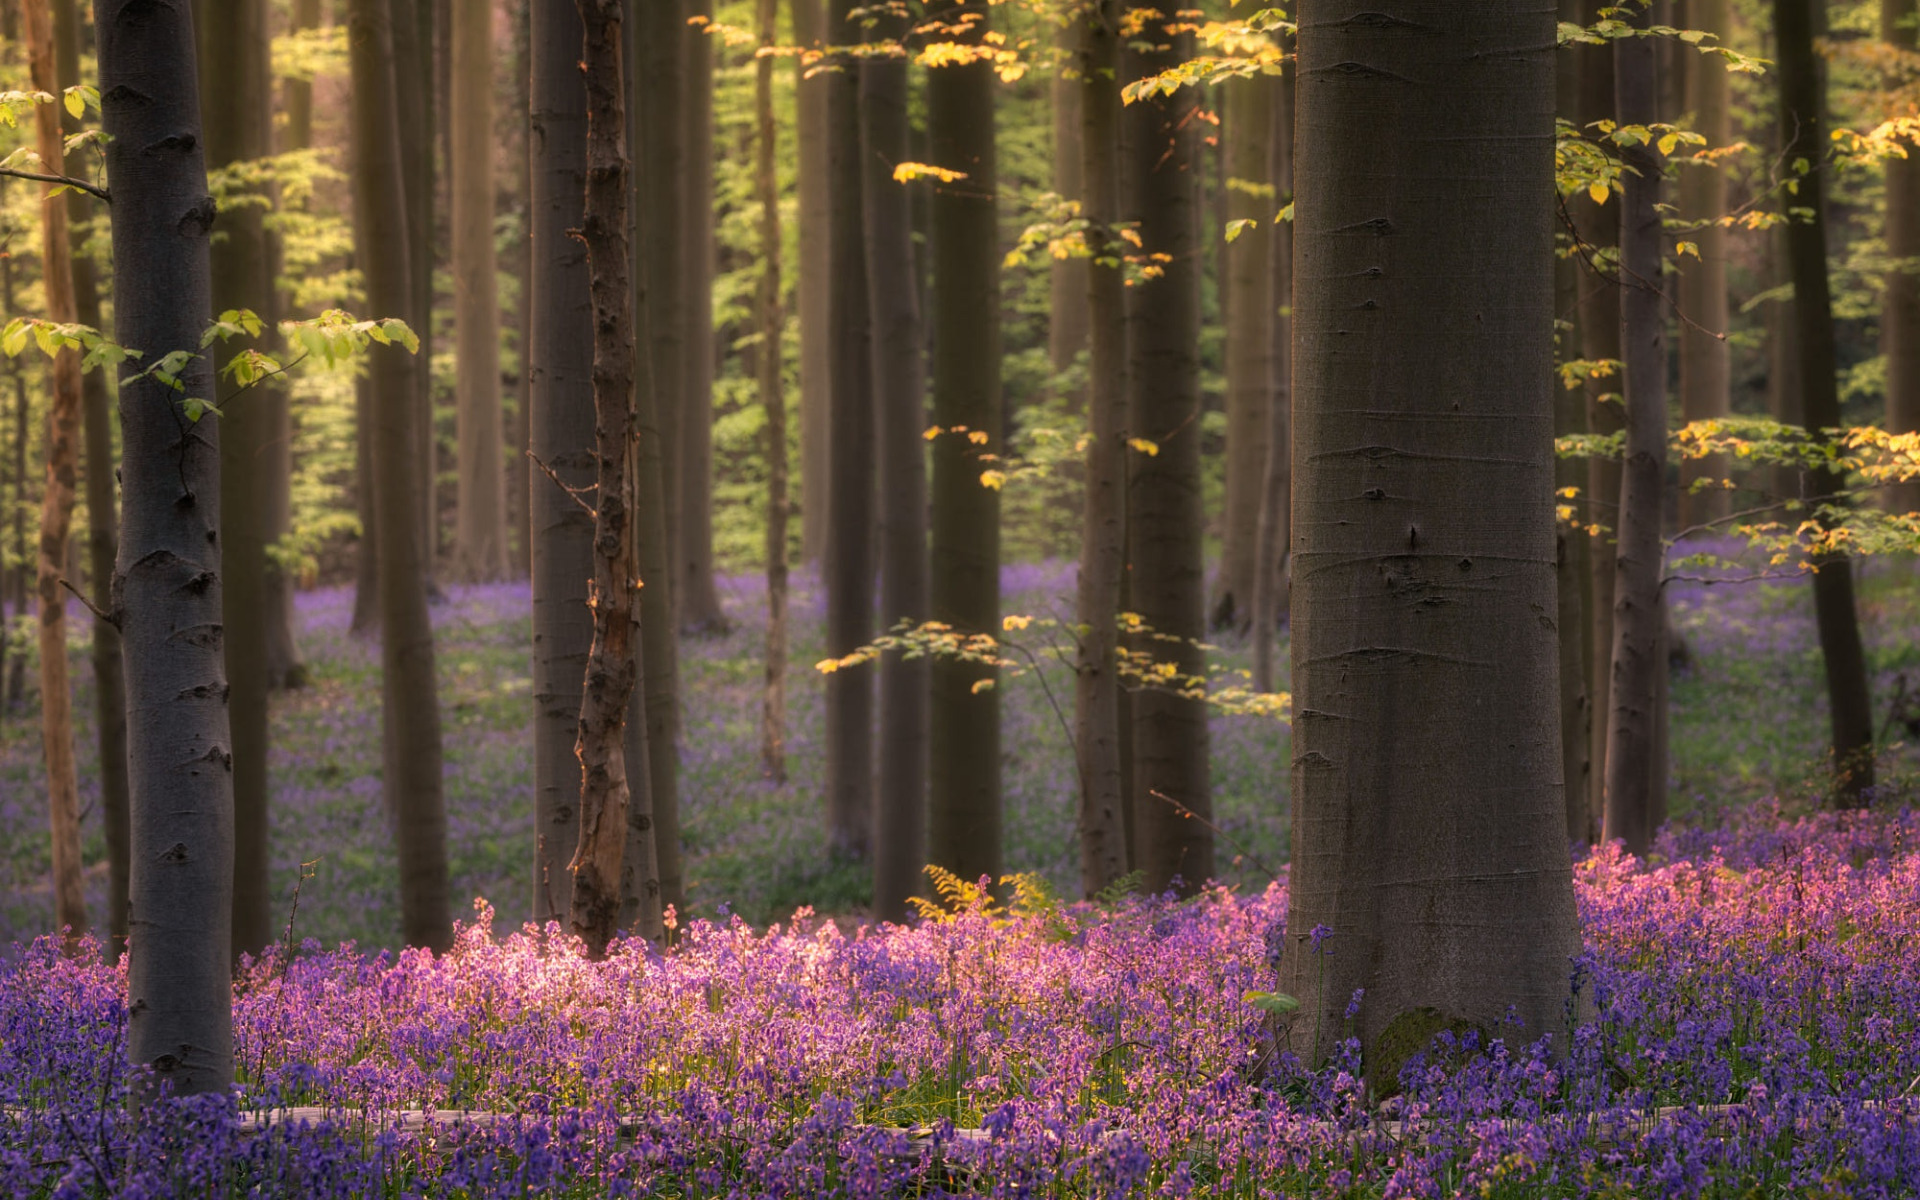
point(76, 103)
point(1238, 227)
point(14, 338)
point(1272, 1002)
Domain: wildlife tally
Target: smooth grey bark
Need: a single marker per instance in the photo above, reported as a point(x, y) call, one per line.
point(167, 585)
point(559, 366)
point(1250, 314)
point(1270, 549)
point(850, 493)
point(1423, 531)
point(1900, 300)
point(1103, 545)
point(1705, 363)
point(899, 387)
point(699, 598)
point(480, 515)
point(772, 324)
point(103, 520)
point(410, 726)
point(810, 294)
point(964, 803)
point(1572, 546)
point(1173, 838)
point(1803, 126)
point(235, 87)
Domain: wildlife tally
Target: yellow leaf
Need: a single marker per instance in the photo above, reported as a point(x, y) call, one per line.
point(827, 666)
point(1014, 621)
point(1150, 449)
point(76, 104)
point(1599, 192)
point(907, 172)
point(933, 431)
point(982, 685)
point(1668, 142)
point(978, 437)
point(992, 479)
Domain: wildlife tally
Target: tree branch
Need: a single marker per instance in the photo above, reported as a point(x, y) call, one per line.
point(70, 181)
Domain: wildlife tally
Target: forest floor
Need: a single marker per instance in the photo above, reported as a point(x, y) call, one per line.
point(1748, 723)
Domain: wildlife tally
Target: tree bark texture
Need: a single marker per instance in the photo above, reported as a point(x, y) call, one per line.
point(612, 597)
point(1900, 303)
point(519, 434)
point(56, 501)
point(811, 292)
point(772, 322)
point(1067, 317)
point(1572, 549)
point(235, 82)
point(415, 93)
point(849, 550)
point(410, 776)
point(660, 68)
point(964, 803)
point(699, 598)
point(167, 586)
point(1270, 547)
point(1172, 808)
point(1705, 365)
point(1423, 587)
point(559, 365)
point(899, 386)
point(1103, 545)
point(480, 528)
point(14, 583)
point(1803, 125)
point(103, 519)
point(1251, 313)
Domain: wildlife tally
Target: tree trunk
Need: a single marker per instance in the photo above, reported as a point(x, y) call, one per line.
point(519, 438)
point(1172, 808)
point(410, 775)
point(964, 820)
point(297, 94)
point(849, 549)
point(1785, 395)
point(1103, 546)
point(559, 365)
point(1900, 304)
point(1067, 316)
point(480, 530)
point(700, 608)
point(1803, 122)
point(773, 706)
point(900, 803)
point(1270, 548)
point(1705, 381)
point(611, 671)
point(366, 558)
point(660, 62)
point(414, 92)
point(1423, 577)
point(15, 684)
point(103, 537)
point(816, 264)
point(235, 78)
point(1572, 549)
point(1250, 309)
point(179, 766)
point(56, 502)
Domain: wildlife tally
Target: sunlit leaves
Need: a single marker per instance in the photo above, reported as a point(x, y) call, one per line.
point(907, 172)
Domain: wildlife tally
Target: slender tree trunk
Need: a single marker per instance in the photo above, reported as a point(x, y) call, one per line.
point(56, 503)
point(103, 538)
point(180, 1019)
point(1705, 379)
point(15, 684)
point(1424, 534)
point(296, 93)
point(964, 817)
point(1270, 549)
point(559, 365)
point(1572, 547)
point(410, 777)
point(414, 92)
point(1599, 327)
point(1103, 547)
point(611, 671)
point(1250, 315)
point(234, 87)
point(1067, 317)
point(1785, 393)
point(698, 597)
point(480, 530)
point(660, 62)
point(519, 474)
point(899, 838)
point(1802, 120)
point(366, 558)
point(850, 494)
point(816, 264)
point(1172, 809)
point(773, 706)
point(1900, 304)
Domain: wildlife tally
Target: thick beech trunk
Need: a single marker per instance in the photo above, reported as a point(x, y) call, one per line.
point(56, 502)
point(1435, 879)
point(772, 323)
point(1103, 545)
point(811, 293)
point(964, 818)
point(699, 598)
point(1172, 809)
point(1705, 367)
point(480, 521)
point(167, 586)
point(900, 801)
point(1803, 122)
point(410, 775)
point(1251, 313)
point(415, 94)
point(1900, 303)
point(235, 92)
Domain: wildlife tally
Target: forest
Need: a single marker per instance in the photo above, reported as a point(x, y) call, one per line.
point(959, 598)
